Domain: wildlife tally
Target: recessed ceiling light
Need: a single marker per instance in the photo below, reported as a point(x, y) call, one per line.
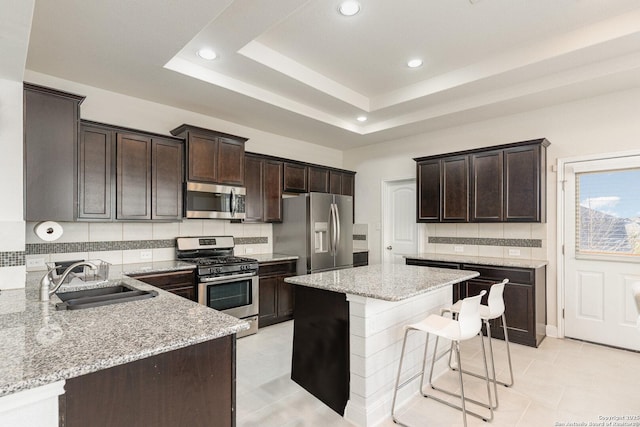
point(349, 8)
point(362, 118)
point(414, 63)
point(206, 53)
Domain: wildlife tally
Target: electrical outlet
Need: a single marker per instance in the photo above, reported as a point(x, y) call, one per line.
point(514, 252)
point(248, 250)
point(458, 248)
point(35, 262)
point(146, 255)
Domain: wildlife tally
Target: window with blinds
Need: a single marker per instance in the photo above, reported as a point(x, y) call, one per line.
point(608, 212)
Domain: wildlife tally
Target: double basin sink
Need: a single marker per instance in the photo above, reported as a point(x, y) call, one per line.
point(96, 297)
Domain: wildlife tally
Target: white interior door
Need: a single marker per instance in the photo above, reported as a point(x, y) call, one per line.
point(602, 250)
point(400, 231)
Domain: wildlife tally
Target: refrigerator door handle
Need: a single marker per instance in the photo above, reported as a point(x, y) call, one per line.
point(337, 214)
point(333, 244)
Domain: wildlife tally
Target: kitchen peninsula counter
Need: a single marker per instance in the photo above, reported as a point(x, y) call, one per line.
point(41, 346)
point(348, 328)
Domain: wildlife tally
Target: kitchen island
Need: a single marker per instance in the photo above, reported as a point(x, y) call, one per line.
point(348, 327)
point(160, 361)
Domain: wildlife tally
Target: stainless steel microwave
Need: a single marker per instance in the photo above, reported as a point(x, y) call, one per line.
point(214, 201)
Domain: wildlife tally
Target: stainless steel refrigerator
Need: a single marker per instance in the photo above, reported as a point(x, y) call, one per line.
point(318, 228)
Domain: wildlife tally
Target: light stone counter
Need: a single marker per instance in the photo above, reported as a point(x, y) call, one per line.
point(271, 257)
point(39, 345)
point(470, 259)
point(388, 282)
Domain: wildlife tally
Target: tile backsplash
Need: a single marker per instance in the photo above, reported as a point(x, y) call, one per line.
point(128, 243)
point(503, 240)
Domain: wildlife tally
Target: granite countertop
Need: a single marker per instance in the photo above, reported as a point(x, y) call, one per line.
point(389, 282)
point(271, 257)
point(151, 267)
point(470, 259)
point(39, 345)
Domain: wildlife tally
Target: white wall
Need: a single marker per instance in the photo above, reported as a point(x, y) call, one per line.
point(602, 124)
point(12, 238)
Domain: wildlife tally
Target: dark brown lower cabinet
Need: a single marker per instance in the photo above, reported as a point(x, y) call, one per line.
point(181, 283)
point(360, 259)
point(524, 297)
point(192, 386)
point(276, 296)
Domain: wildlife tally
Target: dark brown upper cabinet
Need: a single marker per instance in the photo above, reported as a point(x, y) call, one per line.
point(487, 186)
point(505, 183)
point(167, 159)
point(129, 175)
point(51, 121)
point(295, 178)
point(318, 179)
point(133, 177)
point(213, 157)
point(429, 197)
point(335, 182)
point(443, 187)
point(96, 170)
point(348, 184)
point(455, 189)
point(268, 177)
point(263, 181)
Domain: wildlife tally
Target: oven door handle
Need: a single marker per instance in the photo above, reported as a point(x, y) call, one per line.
point(231, 278)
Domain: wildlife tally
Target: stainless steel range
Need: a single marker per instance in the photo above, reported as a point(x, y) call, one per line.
point(226, 282)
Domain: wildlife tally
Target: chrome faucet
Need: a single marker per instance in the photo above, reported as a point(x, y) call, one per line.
point(45, 284)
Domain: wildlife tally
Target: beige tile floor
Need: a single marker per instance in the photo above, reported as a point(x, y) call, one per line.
point(561, 382)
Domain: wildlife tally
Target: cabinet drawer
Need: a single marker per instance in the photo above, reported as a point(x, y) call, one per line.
point(515, 275)
point(276, 268)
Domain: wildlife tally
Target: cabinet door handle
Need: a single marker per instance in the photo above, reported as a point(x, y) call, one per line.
point(389, 247)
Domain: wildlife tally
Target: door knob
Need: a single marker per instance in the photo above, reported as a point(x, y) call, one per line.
point(389, 248)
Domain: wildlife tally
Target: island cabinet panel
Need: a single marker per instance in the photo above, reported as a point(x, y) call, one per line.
point(96, 169)
point(318, 179)
point(133, 177)
point(487, 186)
point(191, 386)
point(295, 178)
point(51, 120)
point(320, 361)
point(504, 183)
point(276, 296)
point(212, 157)
point(181, 283)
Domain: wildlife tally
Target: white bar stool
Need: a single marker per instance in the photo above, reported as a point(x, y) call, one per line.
point(467, 326)
point(493, 310)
